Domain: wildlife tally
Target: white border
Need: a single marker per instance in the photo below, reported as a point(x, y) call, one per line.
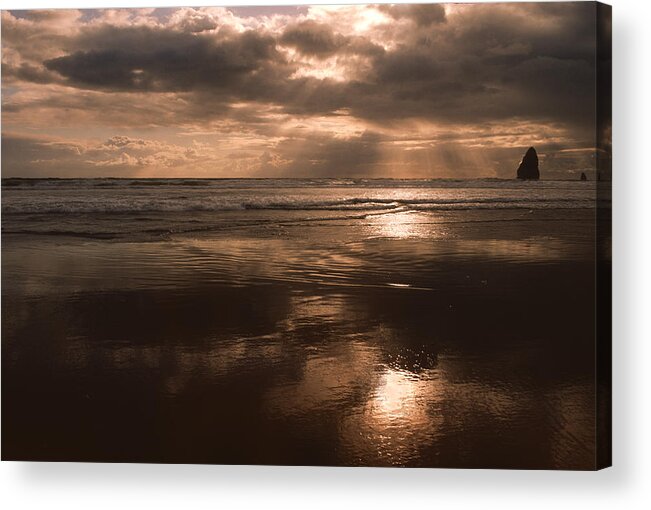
point(627, 485)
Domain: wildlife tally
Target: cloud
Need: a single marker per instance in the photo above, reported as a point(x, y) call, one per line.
point(33, 156)
point(423, 15)
point(331, 157)
point(163, 60)
point(360, 77)
point(194, 21)
point(312, 38)
point(29, 73)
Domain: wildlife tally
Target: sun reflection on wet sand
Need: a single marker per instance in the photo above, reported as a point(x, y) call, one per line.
point(395, 397)
point(399, 418)
point(404, 225)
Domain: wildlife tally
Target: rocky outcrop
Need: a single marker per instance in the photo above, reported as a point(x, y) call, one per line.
point(528, 168)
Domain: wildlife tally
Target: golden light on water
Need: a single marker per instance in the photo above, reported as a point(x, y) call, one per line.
point(400, 225)
point(396, 397)
point(399, 415)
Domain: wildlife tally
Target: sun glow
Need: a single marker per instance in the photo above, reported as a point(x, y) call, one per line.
point(398, 417)
point(396, 396)
point(369, 18)
point(402, 224)
point(322, 70)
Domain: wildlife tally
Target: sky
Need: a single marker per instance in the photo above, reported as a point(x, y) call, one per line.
point(405, 91)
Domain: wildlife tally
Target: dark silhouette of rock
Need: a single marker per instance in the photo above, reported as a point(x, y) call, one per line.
point(583, 176)
point(528, 168)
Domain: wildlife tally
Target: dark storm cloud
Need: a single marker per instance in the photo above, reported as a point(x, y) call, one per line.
point(494, 61)
point(312, 38)
point(320, 40)
point(489, 62)
point(28, 72)
point(149, 59)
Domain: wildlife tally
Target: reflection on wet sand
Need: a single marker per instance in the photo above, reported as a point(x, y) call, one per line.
point(404, 225)
point(244, 351)
point(399, 419)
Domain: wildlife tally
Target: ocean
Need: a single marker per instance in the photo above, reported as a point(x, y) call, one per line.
point(383, 322)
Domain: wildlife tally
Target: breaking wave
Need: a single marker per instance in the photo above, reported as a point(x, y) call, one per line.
point(62, 205)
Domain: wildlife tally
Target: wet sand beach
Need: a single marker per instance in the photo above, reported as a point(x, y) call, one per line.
point(382, 333)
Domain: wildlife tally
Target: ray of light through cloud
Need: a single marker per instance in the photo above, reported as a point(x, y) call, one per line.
point(427, 90)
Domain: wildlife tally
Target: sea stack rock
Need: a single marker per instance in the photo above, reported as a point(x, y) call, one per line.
point(583, 176)
point(528, 168)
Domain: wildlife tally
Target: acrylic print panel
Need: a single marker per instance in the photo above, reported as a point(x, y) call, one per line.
point(355, 235)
